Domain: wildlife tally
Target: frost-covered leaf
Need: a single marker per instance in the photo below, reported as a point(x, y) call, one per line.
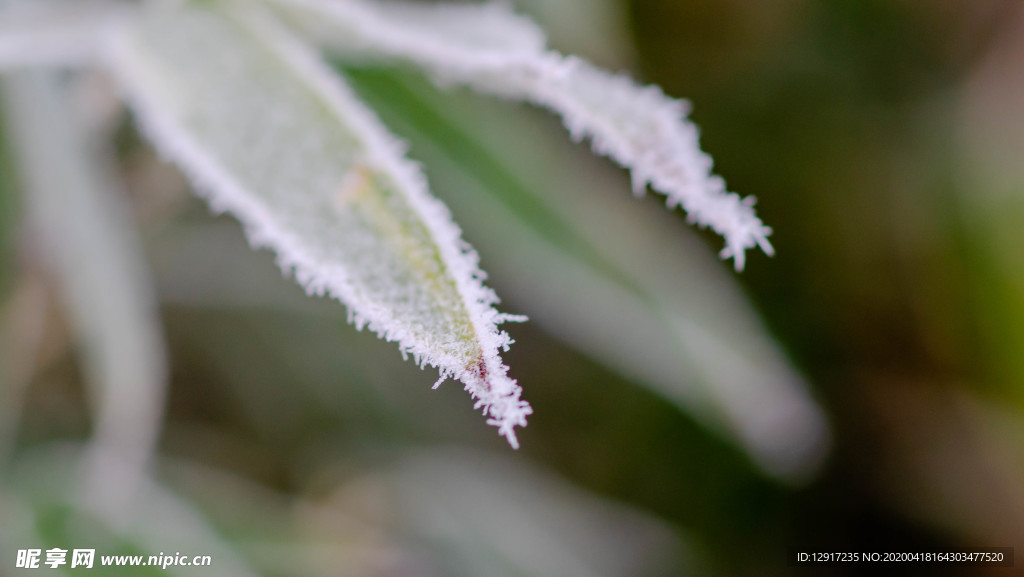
point(56, 32)
point(269, 134)
point(647, 301)
point(496, 52)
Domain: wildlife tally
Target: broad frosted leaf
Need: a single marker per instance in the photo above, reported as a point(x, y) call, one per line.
point(87, 233)
point(269, 134)
point(56, 32)
point(647, 301)
point(638, 127)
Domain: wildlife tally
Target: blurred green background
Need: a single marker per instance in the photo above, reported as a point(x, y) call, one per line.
point(885, 142)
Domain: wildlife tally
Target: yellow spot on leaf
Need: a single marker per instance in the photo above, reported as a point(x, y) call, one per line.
point(356, 186)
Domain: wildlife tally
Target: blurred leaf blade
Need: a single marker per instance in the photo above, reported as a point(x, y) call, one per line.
point(484, 511)
point(42, 489)
point(56, 33)
point(88, 235)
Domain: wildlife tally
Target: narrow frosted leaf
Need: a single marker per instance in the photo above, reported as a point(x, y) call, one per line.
point(56, 32)
point(639, 127)
point(87, 233)
point(269, 134)
point(647, 301)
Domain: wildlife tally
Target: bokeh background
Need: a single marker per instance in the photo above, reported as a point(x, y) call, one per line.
point(862, 389)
